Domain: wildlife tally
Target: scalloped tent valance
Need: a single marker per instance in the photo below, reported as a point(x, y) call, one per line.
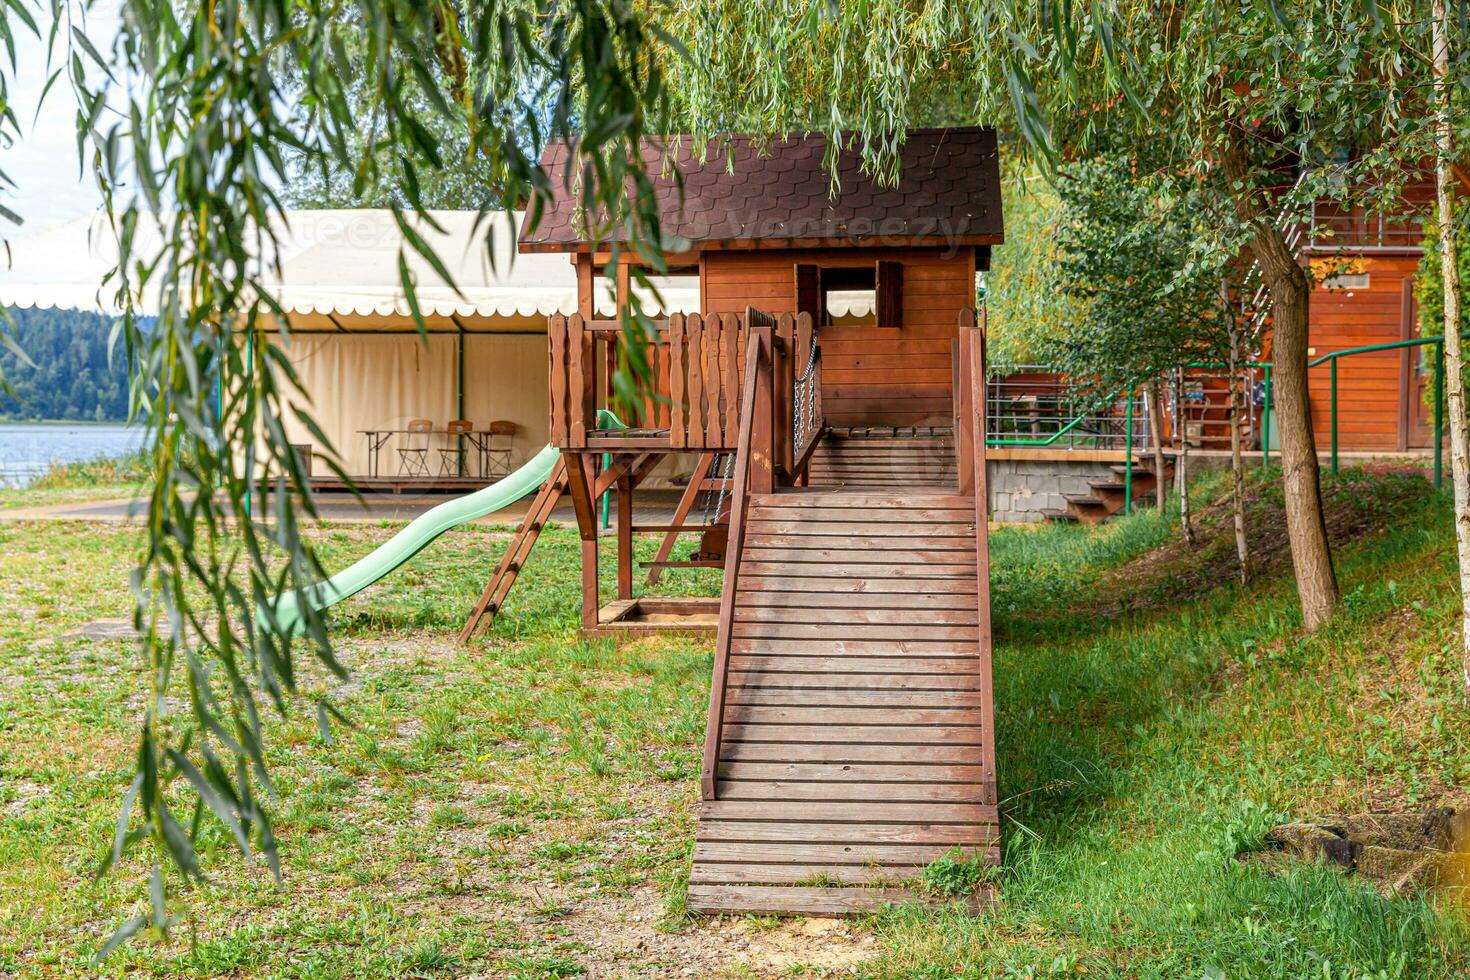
point(339, 264)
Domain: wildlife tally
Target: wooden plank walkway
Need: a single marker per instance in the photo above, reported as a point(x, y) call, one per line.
point(854, 743)
point(865, 459)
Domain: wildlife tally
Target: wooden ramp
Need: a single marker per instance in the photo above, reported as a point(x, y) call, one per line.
point(850, 739)
point(872, 458)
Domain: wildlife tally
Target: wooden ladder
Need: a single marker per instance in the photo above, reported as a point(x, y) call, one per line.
point(851, 736)
point(491, 599)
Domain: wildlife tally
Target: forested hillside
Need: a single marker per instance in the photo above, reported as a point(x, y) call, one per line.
point(72, 378)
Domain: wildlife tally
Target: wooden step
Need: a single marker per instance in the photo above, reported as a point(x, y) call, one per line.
point(797, 498)
point(884, 458)
point(1083, 500)
point(825, 902)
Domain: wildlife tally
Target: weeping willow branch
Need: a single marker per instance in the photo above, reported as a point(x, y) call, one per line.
point(192, 119)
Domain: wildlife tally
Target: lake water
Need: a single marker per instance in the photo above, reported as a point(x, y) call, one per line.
point(28, 449)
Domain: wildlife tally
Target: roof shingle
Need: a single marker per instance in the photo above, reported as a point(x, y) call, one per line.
point(948, 190)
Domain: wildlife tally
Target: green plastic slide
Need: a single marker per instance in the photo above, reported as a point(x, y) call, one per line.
point(419, 533)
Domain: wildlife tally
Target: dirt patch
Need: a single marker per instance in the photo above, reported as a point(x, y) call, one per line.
point(23, 793)
point(104, 629)
point(1355, 504)
point(625, 936)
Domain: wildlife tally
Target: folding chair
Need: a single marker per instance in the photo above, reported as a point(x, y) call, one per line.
point(413, 448)
point(451, 460)
point(496, 448)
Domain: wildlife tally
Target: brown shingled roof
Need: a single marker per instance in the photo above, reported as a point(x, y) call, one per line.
point(948, 193)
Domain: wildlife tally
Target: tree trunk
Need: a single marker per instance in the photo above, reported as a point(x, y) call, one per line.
point(1237, 465)
point(1156, 436)
point(1306, 529)
point(1454, 361)
point(1181, 465)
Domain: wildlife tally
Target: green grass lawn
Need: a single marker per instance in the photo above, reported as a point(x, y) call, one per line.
point(525, 807)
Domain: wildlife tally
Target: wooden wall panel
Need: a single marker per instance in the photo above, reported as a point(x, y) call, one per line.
point(871, 375)
point(1369, 386)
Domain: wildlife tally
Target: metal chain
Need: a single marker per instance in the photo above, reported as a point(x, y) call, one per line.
point(724, 486)
point(801, 417)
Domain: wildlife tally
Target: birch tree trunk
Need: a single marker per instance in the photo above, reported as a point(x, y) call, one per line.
point(1156, 436)
point(1181, 465)
point(1237, 465)
point(1306, 527)
point(1454, 365)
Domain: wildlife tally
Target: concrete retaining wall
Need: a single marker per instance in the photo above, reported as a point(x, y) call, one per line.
point(1020, 489)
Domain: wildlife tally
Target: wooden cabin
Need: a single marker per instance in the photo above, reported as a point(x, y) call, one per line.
point(850, 739)
point(1364, 267)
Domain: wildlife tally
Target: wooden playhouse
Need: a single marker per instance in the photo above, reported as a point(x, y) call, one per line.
point(826, 396)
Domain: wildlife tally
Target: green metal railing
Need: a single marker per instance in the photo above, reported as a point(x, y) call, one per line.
point(1330, 359)
point(1072, 425)
point(1265, 367)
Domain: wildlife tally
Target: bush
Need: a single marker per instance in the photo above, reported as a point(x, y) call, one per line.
point(100, 472)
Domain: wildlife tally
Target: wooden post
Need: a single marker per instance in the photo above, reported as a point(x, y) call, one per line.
point(763, 433)
point(784, 369)
point(625, 537)
point(556, 352)
point(623, 286)
point(581, 382)
point(586, 378)
point(581, 479)
point(964, 402)
point(591, 603)
point(678, 436)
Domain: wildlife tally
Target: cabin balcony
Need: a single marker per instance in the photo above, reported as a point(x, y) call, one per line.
point(1330, 228)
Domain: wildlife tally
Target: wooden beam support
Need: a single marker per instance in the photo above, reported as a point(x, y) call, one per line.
point(621, 466)
point(681, 515)
point(580, 482)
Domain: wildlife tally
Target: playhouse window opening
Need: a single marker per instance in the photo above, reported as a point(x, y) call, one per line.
point(849, 295)
point(858, 295)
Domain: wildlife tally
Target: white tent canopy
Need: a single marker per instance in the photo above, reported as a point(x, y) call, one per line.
point(344, 263)
point(340, 263)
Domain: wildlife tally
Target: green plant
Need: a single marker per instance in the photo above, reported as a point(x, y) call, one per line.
point(1244, 828)
point(101, 472)
point(1141, 261)
point(958, 876)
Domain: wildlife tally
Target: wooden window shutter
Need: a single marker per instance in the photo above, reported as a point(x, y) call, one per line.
point(809, 290)
point(888, 294)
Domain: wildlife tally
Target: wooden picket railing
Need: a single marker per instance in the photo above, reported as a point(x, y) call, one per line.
point(704, 379)
point(696, 365)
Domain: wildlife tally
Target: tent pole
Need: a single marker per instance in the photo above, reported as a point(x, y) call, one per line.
point(250, 450)
point(459, 395)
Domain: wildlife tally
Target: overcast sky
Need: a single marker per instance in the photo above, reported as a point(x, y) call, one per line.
point(50, 187)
